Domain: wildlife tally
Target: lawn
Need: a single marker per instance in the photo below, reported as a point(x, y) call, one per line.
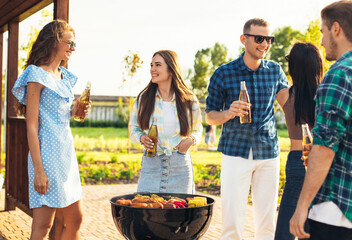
point(106, 155)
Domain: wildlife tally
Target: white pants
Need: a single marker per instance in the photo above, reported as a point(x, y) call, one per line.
point(237, 176)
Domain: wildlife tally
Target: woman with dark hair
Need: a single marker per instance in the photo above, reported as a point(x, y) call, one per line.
point(176, 110)
point(305, 64)
point(44, 93)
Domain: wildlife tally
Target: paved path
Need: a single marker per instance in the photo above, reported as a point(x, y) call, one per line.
point(97, 221)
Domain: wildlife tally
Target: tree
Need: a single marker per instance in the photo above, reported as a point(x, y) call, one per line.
point(314, 35)
point(206, 62)
point(46, 17)
point(284, 38)
point(201, 72)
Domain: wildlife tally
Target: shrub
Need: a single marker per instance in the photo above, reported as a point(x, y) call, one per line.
point(113, 159)
point(126, 174)
point(80, 158)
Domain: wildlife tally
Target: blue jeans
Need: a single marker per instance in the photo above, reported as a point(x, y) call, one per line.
point(295, 172)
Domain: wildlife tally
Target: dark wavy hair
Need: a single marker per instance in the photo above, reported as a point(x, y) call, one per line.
point(306, 67)
point(44, 48)
point(184, 96)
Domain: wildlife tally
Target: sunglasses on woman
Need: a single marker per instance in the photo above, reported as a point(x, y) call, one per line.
point(259, 38)
point(71, 43)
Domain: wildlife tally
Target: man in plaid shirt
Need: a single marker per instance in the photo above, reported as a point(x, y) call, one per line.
point(250, 151)
point(328, 181)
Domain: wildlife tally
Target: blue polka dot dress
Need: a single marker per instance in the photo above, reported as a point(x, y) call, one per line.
point(55, 138)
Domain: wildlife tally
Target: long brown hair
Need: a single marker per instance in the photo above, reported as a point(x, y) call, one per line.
point(44, 49)
point(183, 95)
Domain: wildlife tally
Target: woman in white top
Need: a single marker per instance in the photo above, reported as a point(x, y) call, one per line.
point(176, 110)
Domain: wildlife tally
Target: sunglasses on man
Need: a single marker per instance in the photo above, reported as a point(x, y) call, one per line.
point(71, 43)
point(259, 38)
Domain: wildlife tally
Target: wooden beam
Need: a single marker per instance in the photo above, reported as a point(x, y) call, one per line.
point(61, 9)
point(19, 10)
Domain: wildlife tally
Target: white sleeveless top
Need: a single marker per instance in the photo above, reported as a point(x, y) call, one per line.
point(169, 119)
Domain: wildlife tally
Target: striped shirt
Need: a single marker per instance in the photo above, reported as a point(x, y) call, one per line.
point(166, 144)
point(262, 84)
point(333, 129)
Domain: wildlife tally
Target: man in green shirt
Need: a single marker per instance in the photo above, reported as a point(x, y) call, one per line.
point(327, 186)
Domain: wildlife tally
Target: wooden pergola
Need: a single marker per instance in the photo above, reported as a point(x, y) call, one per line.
point(12, 12)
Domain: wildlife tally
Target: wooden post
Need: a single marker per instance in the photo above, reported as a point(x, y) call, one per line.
point(61, 9)
point(1, 56)
point(12, 73)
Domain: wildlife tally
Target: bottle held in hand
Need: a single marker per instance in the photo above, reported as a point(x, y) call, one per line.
point(245, 98)
point(307, 141)
point(82, 102)
point(153, 134)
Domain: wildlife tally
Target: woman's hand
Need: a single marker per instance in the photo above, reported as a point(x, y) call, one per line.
point(184, 145)
point(41, 183)
point(147, 142)
point(77, 111)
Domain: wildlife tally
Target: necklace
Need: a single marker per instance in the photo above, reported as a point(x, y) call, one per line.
point(168, 99)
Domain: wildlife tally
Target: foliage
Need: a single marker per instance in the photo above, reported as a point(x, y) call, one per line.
point(122, 112)
point(113, 159)
point(80, 158)
point(127, 174)
point(205, 63)
point(46, 17)
point(284, 38)
point(131, 62)
point(314, 35)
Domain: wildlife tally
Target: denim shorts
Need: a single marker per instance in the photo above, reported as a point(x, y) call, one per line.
point(167, 174)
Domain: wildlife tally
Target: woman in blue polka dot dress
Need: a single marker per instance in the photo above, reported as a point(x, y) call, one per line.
point(44, 93)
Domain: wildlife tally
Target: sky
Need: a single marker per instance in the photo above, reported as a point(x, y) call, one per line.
point(107, 29)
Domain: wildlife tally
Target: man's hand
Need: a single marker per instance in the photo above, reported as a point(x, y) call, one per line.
point(237, 108)
point(297, 223)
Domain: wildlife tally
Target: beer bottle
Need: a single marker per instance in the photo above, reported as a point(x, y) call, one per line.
point(307, 141)
point(82, 101)
point(245, 98)
point(153, 134)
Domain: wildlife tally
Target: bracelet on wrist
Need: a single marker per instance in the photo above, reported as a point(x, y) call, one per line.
point(193, 140)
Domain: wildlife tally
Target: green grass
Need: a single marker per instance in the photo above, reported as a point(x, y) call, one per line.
point(283, 133)
point(107, 133)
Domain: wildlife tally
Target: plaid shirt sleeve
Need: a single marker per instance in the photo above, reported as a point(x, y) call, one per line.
point(334, 104)
point(216, 94)
point(283, 83)
point(135, 131)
